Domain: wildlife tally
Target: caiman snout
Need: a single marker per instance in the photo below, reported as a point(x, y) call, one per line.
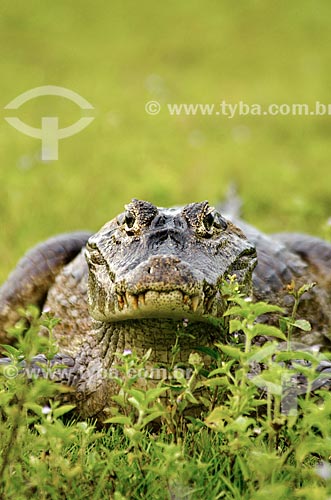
point(162, 272)
point(163, 285)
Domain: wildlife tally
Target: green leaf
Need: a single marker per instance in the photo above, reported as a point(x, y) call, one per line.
point(296, 355)
point(133, 434)
point(120, 400)
point(119, 419)
point(58, 412)
point(245, 469)
point(216, 381)
point(263, 353)
point(232, 352)
point(216, 418)
point(152, 416)
point(134, 402)
point(191, 399)
point(222, 369)
point(209, 351)
point(311, 444)
point(260, 308)
point(302, 324)
point(262, 382)
point(138, 395)
point(241, 423)
point(268, 330)
point(147, 354)
point(236, 311)
point(12, 351)
point(37, 409)
point(153, 394)
point(235, 325)
point(283, 323)
point(204, 401)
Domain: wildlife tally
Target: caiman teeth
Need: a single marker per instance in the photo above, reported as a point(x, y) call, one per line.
point(132, 300)
point(195, 302)
point(141, 299)
point(136, 301)
point(120, 301)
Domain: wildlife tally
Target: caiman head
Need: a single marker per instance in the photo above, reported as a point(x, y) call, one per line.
point(152, 262)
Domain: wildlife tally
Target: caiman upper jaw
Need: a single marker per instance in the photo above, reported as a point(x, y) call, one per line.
point(171, 290)
point(163, 286)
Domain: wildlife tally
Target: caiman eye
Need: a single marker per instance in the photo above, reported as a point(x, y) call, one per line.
point(208, 221)
point(214, 219)
point(129, 219)
point(219, 222)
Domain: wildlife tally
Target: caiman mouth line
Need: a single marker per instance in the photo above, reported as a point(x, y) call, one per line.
point(158, 300)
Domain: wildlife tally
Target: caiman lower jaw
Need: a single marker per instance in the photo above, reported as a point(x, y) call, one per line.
point(165, 304)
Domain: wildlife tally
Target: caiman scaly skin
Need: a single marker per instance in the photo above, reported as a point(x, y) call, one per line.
point(149, 272)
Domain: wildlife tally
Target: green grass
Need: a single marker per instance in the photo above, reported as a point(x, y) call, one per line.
point(118, 56)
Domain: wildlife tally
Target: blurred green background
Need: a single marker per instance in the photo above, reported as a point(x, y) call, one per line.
point(120, 54)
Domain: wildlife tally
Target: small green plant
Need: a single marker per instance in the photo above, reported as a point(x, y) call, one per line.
point(27, 408)
point(279, 441)
point(264, 434)
point(243, 425)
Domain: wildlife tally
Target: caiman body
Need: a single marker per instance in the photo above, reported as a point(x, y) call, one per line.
point(149, 272)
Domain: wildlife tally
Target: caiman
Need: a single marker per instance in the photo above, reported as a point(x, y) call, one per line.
point(149, 272)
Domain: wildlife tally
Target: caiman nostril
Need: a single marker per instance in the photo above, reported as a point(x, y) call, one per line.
point(160, 221)
point(170, 237)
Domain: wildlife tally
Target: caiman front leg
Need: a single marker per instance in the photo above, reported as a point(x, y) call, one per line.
point(88, 374)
